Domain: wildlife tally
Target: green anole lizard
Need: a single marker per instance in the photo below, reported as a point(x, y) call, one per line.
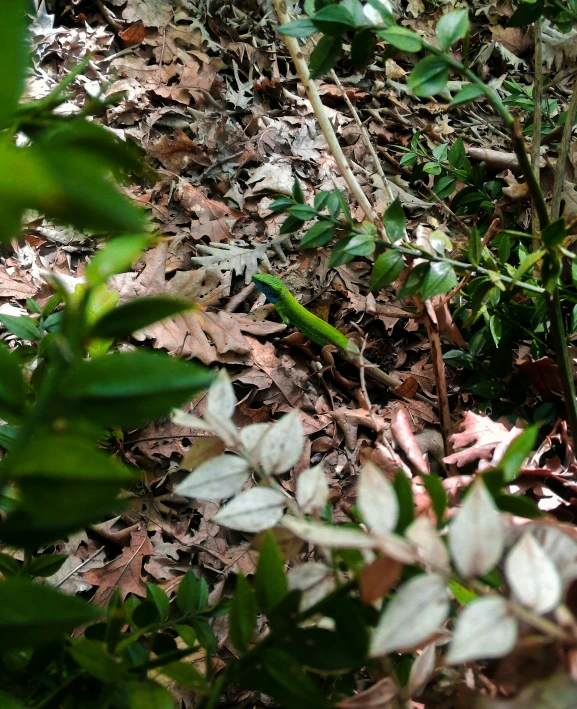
point(316, 329)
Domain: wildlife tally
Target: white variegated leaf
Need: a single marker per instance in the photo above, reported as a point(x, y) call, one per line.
point(251, 436)
point(476, 536)
point(430, 549)
point(532, 576)
point(485, 629)
point(312, 489)
point(254, 510)
point(216, 479)
point(395, 547)
point(282, 445)
point(327, 536)
point(221, 398)
point(416, 613)
point(377, 500)
point(314, 579)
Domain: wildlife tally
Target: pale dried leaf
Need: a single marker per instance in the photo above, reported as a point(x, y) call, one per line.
point(377, 500)
point(557, 692)
point(282, 445)
point(252, 511)
point(231, 257)
point(327, 536)
point(490, 440)
point(221, 399)
point(417, 612)
point(485, 629)
point(312, 489)
point(217, 479)
point(379, 696)
point(532, 575)
point(476, 536)
point(430, 549)
point(422, 670)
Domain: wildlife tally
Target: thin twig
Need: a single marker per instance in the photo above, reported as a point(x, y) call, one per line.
point(321, 115)
point(92, 556)
point(536, 144)
point(563, 153)
point(365, 138)
point(106, 14)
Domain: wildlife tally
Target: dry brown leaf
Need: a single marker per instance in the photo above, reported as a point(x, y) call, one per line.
point(403, 434)
point(123, 573)
point(378, 577)
point(513, 39)
point(176, 153)
point(379, 696)
point(214, 219)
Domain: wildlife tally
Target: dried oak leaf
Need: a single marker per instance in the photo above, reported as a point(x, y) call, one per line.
point(211, 337)
point(124, 572)
point(214, 219)
point(513, 39)
point(489, 440)
point(176, 153)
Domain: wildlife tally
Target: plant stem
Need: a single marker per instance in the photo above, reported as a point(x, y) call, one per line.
point(563, 153)
point(537, 100)
point(323, 120)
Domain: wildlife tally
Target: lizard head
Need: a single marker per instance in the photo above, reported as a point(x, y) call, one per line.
point(271, 286)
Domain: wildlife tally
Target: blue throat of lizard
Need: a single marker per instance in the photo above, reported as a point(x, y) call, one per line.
point(269, 292)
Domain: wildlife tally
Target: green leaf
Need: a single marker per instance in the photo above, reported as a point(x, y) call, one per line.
point(292, 686)
point(402, 38)
point(429, 77)
point(555, 233)
point(518, 451)
point(414, 281)
point(93, 658)
point(440, 279)
point(137, 314)
point(271, 583)
point(388, 267)
point(243, 615)
point(46, 565)
point(551, 272)
point(297, 192)
point(362, 49)
point(303, 212)
point(187, 634)
point(144, 694)
point(192, 594)
point(438, 495)
point(33, 614)
point(496, 329)
point(526, 14)
point(185, 673)
point(528, 262)
point(325, 55)
point(474, 250)
point(383, 10)
point(9, 566)
point(457, 155)
point(318, 235)
point(518, 505)
point(333, 20)
point(360, 245)
point(8, 702)
point(14, 57)
point(404, 493)
point(298, 28)
point(12, 385)
point(451, 27)
point(117, 256)
point(339, 255)
point(24, 327)
point(462, 595)
point(157, 595)
point(132, 387)
point(281, 204)
point(468, 93)
point(395, 221)
point(290, 225)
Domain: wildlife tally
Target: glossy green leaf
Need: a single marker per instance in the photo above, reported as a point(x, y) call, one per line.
point(93, 658)
point(290, 225)
point(404, 493)
point(320, 234)
point(281, 204)
point(46, 565)
point(429, 77)
point(518, 505)
point(24, 327)
point(414, 281)
point(33, 614)
point(402, 38)
point(363, 49)
point(451, 27)
point(387, 268)
point(271, 583)
point(395, 221)
point(518, 451)
point(468, 93)
point(157, 595)
point(325, 55)
point(243, 615)
point(440, 279)
point(526, 14)
point(192, 594)
point(333, 20)
point(555, 233)
point(9, 566)
point(303, 211)
point(13, 56)
point(137, 314)
point(12, 385)
point(383, 10)
point(474, 250)
point(117, 256)
point(437, 493)
point(297, 192)
point(299, 28)
point(132, 387)
point(551, 272)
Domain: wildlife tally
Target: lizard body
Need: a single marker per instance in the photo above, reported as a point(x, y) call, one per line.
point(316, 329)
